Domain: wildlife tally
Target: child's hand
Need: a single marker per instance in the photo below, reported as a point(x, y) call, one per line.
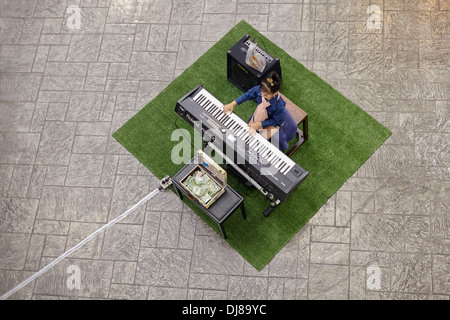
point(228, 108)
point(254, 126)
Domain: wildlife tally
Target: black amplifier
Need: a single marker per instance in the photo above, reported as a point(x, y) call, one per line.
point(240, 73)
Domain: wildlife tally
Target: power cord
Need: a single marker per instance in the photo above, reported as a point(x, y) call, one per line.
point(258, 37)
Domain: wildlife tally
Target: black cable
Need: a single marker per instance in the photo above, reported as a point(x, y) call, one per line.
point(257, 37)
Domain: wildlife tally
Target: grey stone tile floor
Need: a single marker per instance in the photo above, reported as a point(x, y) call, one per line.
point(65, 88)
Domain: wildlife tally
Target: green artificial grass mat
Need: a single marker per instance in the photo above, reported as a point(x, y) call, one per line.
point(342, 137)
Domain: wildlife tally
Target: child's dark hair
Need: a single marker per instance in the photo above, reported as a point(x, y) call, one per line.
point(271, 84)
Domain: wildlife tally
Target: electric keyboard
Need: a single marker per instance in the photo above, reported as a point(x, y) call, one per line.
point(271, 168)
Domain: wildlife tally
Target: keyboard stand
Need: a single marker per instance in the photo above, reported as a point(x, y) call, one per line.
point(242, 175)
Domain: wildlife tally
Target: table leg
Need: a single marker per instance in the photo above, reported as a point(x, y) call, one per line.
point(244, 213)
point(223, 231)
point(178, 192)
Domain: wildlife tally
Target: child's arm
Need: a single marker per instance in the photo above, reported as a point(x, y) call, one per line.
point(249, 95)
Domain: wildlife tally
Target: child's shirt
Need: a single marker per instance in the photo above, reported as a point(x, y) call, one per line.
point(275, 111)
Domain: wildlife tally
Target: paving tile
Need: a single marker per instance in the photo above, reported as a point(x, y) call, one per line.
point(10, 278)
point(20, 181)
point(298, 44)
point(128, 190)
point(187, 12)
point(432, 149)
point(419, 84)
point(17, 58)
point(139, 12)
point(50, 8)
point(31, 31)
point(216, 25)
point(84, 47)
point(95, 278)
point(157, 37)
point(169, 229)
point(56, 111)
point(285, 17)
point(151, 229)
point(141, 37)
point(77, 232)
point(434, 53)
point(441, 274)
point(368, 258)
point(66, 69)
point(254, 288)
point(363, 202)
point(353, 10)
point(90, 144)
point(377, 233)
point(215, 295)
point(284, 264)
point(37, 182)
point(389, 161)
point(439, 26)
point(56, 176)
point(328, 282)
point(51, 227)
point(74, 204)
point(34, 254)
point(16, 117)
point(163, 267)
point(116, 48)
point(330, 234)
point(124, 272)
point(411, 273)
point(394, 196)
point(161, 293)
point(215, 257)
point(208, 281)
point(365, 65)
point(417, 234)
point(173, 38)
point(84, 106)
point(54, 246)
point(19, 87)
point(122, 242)
point(14, 247)
point(92, 20)
point(10, 29)
point(17, 215)
point(187, 231)
point(58, 53)
point(330, 253)
point(439, 197)
point(326, 214)
point(407, 24)
point(18, 148)
point(40, 58)
point(151, 65)
point(128, 292)
point(330, 41)
point(425, 5)
point(343, 208)
point(56, 143)
point(62, 83)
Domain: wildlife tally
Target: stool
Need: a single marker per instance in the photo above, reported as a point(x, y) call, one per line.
point(221, 209)
point(300, 117)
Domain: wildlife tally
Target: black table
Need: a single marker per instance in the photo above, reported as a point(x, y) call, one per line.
point(221, 209)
